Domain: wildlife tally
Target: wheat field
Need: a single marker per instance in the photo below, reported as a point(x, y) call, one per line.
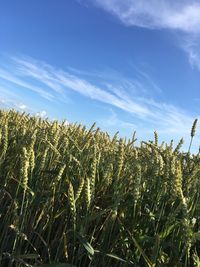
point(72, 196)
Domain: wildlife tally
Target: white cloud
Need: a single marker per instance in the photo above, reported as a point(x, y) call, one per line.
point(191, 45)
point(176, 15)
point(30, 67)
point(65, 81)
point(181, 16)
point(168, 116)
point(22, 106)
point(66, 123)
point(14, 79)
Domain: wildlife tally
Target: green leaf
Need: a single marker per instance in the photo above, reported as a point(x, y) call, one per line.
point(86, 244)
point(113, 256)
point(167, 231)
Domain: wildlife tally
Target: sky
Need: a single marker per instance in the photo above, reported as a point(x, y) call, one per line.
point(126, 65)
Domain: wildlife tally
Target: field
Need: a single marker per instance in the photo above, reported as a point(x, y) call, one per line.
point(77, 196)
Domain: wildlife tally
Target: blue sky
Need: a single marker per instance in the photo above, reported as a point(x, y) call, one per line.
point(128, 65)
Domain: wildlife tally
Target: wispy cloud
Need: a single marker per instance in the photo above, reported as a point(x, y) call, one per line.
point(113, 120)
point(60, 81)
point(191, 45)
point(180, 16)
point(12, 78)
